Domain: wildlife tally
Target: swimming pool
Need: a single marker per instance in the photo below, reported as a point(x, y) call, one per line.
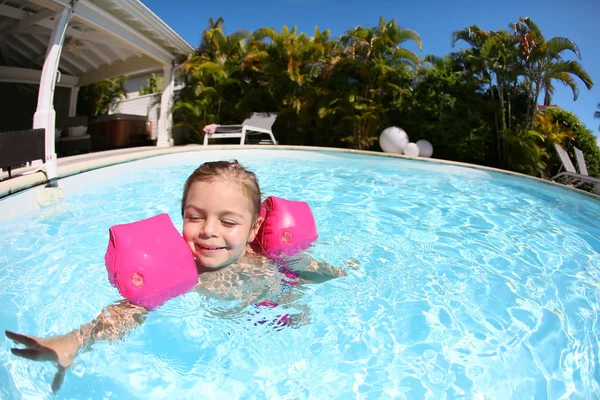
point(470, 284)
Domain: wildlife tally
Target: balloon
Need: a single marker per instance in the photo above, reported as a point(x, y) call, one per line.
point(411, 150)
point(425, 148)
point(393, 140)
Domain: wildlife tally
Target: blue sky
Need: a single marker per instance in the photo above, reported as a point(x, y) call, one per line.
point(578, 20)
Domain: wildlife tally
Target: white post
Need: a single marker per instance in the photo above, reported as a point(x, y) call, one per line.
point(45, 116)
point(165, 122)
point(73, 101)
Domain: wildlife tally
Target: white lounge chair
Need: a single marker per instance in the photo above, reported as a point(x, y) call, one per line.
point(256, 124)
point(570, 175)
point(580, 161)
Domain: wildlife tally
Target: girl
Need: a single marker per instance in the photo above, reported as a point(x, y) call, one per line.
point(221, 216)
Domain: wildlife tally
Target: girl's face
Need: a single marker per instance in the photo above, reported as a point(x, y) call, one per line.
point(218, 223)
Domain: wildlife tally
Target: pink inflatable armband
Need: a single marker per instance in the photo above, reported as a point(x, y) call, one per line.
point(288, 227)
point(149, 262)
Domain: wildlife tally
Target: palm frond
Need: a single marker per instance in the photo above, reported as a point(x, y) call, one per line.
point(473, 35)
point(557, 45)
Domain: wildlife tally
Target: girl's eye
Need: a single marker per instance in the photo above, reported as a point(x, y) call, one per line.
point(228, 224)
point(193, 218)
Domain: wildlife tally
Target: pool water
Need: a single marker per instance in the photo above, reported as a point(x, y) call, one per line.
point(462, 283)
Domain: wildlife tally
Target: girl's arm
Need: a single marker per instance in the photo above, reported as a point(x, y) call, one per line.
point(113, 323)
point(313, 271)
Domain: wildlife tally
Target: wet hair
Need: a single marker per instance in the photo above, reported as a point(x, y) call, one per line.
point(231, 171)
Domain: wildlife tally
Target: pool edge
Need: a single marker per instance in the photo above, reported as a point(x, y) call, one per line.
point(72, 166)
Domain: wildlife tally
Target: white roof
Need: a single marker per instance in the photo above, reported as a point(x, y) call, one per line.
point(105, 38)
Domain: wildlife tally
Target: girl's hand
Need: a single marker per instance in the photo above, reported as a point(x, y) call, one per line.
point(59, 349)
point(313, 271)
point(324, 268)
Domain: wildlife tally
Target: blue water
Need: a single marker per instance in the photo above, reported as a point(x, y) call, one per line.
point(462, 284)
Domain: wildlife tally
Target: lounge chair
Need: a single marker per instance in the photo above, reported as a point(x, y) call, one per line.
point(580, 161)
point(256, 124)
point(570, 175)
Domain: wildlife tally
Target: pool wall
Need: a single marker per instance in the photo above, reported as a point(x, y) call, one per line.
point(31, 199)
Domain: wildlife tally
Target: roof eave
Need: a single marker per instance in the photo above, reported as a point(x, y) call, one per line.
point(138, 10)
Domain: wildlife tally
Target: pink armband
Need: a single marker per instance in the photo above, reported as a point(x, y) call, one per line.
point(288, 227)
point(149, 262)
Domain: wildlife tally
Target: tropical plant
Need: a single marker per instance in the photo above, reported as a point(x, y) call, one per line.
point(448, 108)
point(526, 151)
point(492, 59)
point(369, 73)
point(533, 149)
point(101, 97)
point(582, 138)
point(195, 112)
point(476, 105)
point(154, 84)
point(543, 63)
point(211, 75)
point(516, 65)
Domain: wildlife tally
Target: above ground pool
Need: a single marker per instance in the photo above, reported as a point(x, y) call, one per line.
point(462, 284)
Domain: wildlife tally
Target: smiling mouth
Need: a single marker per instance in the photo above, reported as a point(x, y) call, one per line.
point(209, 248)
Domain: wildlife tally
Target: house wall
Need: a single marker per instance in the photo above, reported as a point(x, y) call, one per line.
point(147, 105)
point(133, 84)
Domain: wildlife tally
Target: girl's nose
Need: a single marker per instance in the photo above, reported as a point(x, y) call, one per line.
point(208, 228)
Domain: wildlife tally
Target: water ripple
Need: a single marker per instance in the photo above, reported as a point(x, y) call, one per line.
point(461, 284)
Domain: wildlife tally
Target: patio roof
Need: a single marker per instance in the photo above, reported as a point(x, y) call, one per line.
point(77, 42)
point(105, 38)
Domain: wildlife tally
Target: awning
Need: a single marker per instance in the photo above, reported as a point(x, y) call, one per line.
point(104, 39)
point(77, 42)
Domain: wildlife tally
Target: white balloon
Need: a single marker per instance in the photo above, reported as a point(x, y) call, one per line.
point(425, 148)
point(411, 150)
point(393, 140)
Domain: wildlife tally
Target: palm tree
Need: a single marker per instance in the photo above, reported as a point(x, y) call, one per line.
point(194, 113)
point(101, 97)
point(219, 47)
point(391, 37)
point(275, 70)
point(369, 69)
point(543, 62)
point(212, 70)
point(523, 60)
point(493, 59)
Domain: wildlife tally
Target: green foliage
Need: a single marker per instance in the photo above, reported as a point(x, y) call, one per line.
point(154, 84)
point(325, 92)
point(582, 138)
point(99, 98)
point(514, 63)
point(449, 110)
point(477, 105)
point(373, 68)
point(194, 113)
point(526, 151)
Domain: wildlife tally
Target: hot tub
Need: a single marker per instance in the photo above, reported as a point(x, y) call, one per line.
point(118, 131)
